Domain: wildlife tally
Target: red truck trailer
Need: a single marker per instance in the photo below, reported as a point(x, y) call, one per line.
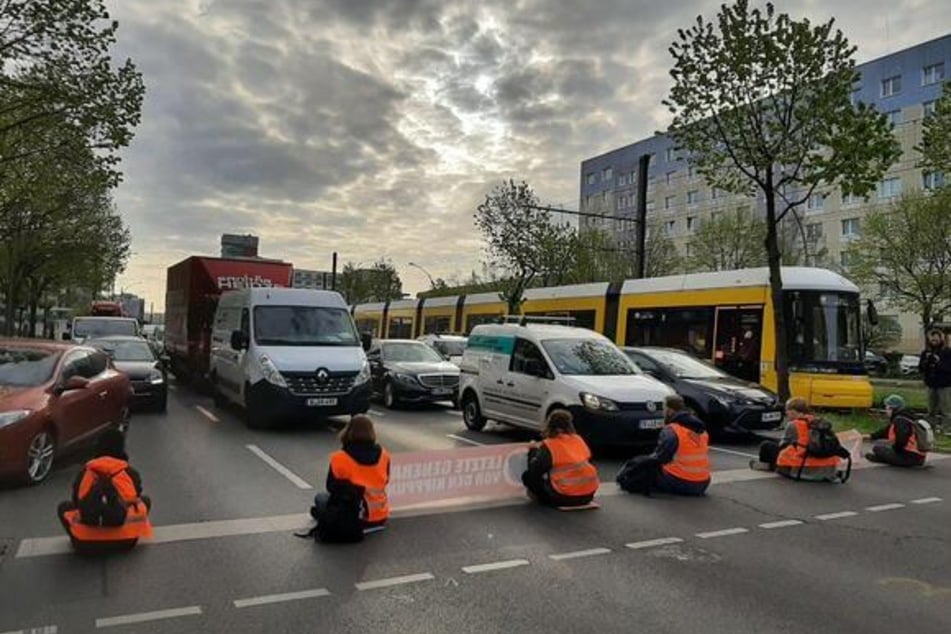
point(106, 308)
point(191, 297)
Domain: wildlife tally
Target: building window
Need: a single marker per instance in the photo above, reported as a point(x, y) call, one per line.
point(589, 178)
point(932, 180)
point(889, 187)
point(670, 227)
point(714, 193)
point(845, 259)
point(854, 97)
point(632, 178)
point(650, 206)
point(715, 215)
point(850, 228)
point(669, 202)
point(815, 202)
point(813, 231)
point(607, 174)
point(932, 74)
point(692, 224)
point(928, 107)
point(891, 86)
point(670, 177)
point(693, 197)
point(589, 200)
point(691, 172)
point(622, 180)
point(850, 199)
point(893, 117)
point(670, 155)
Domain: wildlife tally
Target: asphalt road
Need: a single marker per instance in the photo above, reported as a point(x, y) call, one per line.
point(760, 555)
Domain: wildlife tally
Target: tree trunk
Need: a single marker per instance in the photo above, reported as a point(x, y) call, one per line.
point(33, 306)
point(10, 298)
point(774, 259)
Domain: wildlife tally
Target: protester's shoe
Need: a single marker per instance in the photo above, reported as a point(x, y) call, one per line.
point(759, 465)
point(313, 513)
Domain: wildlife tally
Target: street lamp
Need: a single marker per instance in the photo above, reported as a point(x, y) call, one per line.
point(432, 284)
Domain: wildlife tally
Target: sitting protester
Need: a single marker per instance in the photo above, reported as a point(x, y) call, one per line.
point(809, 450)
point(356, 486)
point(107, 511)
point(559, 469)
point(903, 442)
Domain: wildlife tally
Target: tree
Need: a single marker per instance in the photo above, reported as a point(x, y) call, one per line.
point(905, 251)
point(727, 242)
point(378, 283)
point(662, 257)
point(761, 104)
point(522, 240)
point(935, 146)
point(883, 335)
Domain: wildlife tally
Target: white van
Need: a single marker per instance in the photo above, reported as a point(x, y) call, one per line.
point(518, 373)
point(288, 352)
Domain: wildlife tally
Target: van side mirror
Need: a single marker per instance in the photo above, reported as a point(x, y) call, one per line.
point(365, 340)
point(72, 383)
point(872, 313)
point(239, 341)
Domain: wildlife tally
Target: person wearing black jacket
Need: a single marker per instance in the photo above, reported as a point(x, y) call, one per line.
point(935, 367)
point(896, 443)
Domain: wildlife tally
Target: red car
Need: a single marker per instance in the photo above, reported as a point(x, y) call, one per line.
point(54, 397)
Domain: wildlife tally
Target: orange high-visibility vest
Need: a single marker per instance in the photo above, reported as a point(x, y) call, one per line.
point(692, 460)
point(571, 472)
point(793, 455)
point(137, 515)
point(373, 479)
point(912, 446)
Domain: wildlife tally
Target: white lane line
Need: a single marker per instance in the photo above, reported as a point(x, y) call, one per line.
point(280, 598)
point(781, 524)
point(299, 482)
point(210, 416)
point(44, 629)
point(142, 617)
point(926, 501)
point(722, 533)
point(884, 507)
point(495, 565)
point(591, 552)
point(394, 581)
point(466, 440)
point(376, 412)
point(733, 452)
point(651, 543)
point(835, 516)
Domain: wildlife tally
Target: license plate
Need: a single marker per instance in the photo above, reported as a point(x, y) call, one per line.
point(652, 423)
point(442, 391)
point(321, 402)
point(772, 417)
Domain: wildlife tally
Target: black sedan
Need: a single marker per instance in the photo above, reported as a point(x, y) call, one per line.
point(407, 371)
point(136, 358)
point(725, 403)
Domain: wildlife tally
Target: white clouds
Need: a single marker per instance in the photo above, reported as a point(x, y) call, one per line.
point(377, 127)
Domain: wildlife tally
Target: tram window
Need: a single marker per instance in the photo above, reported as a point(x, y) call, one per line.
point(437, 325)
point(823, 327)
point(689, 329)
point(367, 325)
point(579, 318)
point(400, 328)
point(738, 342)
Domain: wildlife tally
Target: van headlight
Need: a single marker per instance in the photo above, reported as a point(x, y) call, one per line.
point(156, 378)
point(15, 416)
point(594, 402)
point(363, 375)
point(270, 372)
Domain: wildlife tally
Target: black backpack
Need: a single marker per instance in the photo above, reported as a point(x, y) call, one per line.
point(638, 475)
point(102, 505)
point(823, 443)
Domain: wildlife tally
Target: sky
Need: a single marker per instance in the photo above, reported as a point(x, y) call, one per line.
point(375, 128)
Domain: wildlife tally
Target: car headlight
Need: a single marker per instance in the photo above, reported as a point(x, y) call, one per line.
point(270, 371)
point(363, 375)
point(723, 401)
point(405, 378)
point(156, 378)
point(591, 401)
point(8, 418)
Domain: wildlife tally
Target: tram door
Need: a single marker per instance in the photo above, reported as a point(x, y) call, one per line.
point(739, 340)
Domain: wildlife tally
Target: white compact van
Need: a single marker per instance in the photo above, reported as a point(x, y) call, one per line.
point(288, 352)
point(518, 373)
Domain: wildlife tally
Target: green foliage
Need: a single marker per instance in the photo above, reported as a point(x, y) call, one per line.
point(883, 335)
point(378, 283)
point(935, 146)
point(732, 240)
point(905, 251)
point(662, 257)
point(761, 104)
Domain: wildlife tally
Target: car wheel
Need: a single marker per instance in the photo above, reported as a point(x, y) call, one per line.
point(390, 401)
point(39, 456)
point(471, 414)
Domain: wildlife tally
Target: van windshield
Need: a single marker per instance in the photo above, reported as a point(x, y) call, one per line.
point(588, 357)
point(303, 326)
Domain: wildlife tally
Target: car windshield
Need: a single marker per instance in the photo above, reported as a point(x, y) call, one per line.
point(588, 357)
point(684, 366)
point(26, 367)
point(93, 327)
point(450, 348)
point(409, 352)
point(303, 326)
point(126, 350)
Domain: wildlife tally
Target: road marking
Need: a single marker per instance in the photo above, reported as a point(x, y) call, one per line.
point(722, 533)
point(591, 552)
point(394, 581)
point(884, 507)
point(781, 524)
point(299, 482)
point(465, 440)
point(210, 416)
point(280, 598)
point(734, 452)
point(495, 565)
point(651, 543)
point(835, 516)
point(44, 629)
point(926, 501)
point(376, 412)
point(142, 617)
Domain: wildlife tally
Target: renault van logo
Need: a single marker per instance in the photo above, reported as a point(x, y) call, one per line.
point(651, 406)
point(322, 375)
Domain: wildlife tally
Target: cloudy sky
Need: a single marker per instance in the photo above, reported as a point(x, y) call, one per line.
point(375, 127)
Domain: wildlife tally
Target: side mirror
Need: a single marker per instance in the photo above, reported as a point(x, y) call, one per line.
point(872, 313)
point(365, 340)
point(239, 341)
point(73, 383)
